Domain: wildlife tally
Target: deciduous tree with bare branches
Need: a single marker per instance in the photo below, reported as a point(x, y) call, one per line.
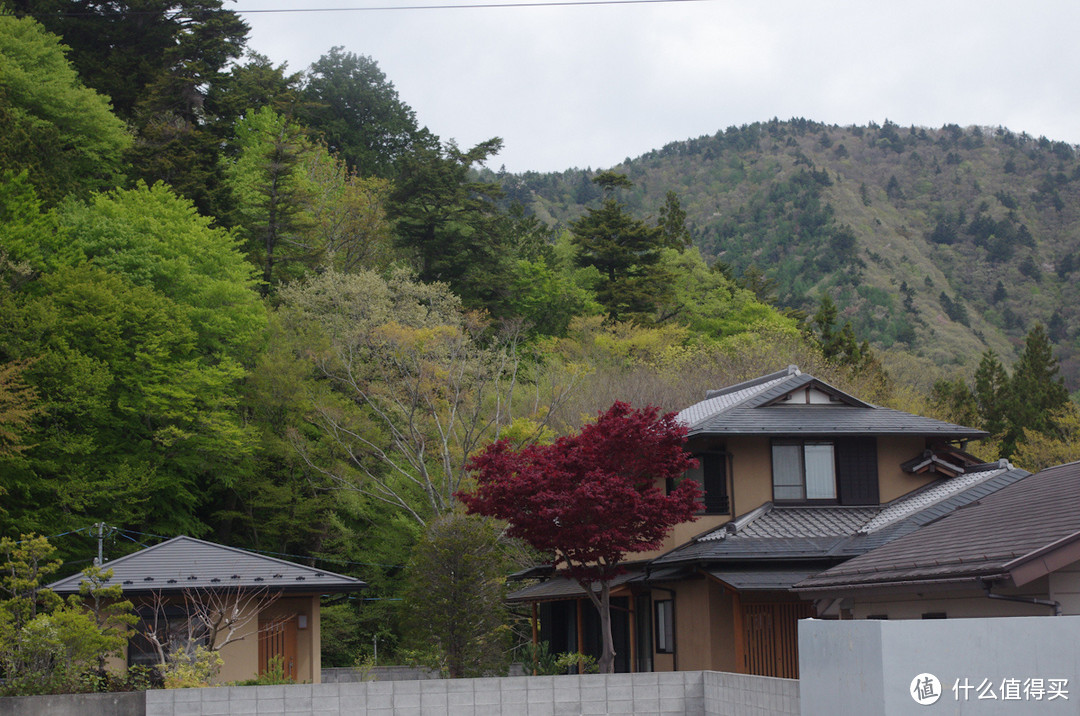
point(407, 387)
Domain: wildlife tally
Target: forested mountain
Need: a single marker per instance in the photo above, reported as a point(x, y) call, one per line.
point(934, 243)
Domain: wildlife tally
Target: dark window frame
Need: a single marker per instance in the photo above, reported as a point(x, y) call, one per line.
point(664, 612)
point(802, 443)
point(715, 496)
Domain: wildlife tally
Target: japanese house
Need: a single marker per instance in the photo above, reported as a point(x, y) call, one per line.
point(798, 477)
point(271, 605)
point(1015, 552)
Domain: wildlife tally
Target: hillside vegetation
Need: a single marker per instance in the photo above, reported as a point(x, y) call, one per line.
point(936, 243)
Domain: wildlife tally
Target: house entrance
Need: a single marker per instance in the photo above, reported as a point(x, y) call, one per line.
point(277, 638)
point(771, 641)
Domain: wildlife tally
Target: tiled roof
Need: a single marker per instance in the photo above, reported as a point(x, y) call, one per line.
point(747, 409)
point(726, 399)
point(188, 563)
point(762, 579)
point(780, 532)
point(988, 536)
point(565, 588)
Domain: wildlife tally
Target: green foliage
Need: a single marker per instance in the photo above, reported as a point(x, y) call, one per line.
point(1036, 392)
point(409, 387)
point(57, 130)
point(156, 239)
point(449, 225)
point(709, 304)
point(626, 252)
point(138, 328)
point(544, 663)
point(274, 674)
point(349, 101)
point(297, 208)
point(455, 587)
point(46, 645)
point(191, 669)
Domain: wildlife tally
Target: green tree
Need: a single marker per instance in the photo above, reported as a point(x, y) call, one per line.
point(139, 326)
point(154, 238)
point(47, 645)
point(57, 130)
point(448, 223)
point(710, 304)
point(454, 596)
point(1036, 391)
point(128, 49)
point(410, 387)
point(837, 344)
point(626, 251)
point(271, 194)
point(348, 100)
point(991, 393)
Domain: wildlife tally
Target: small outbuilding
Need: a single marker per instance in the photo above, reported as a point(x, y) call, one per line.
point(257, 611)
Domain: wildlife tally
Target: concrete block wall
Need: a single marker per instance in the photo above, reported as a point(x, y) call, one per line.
point(663, 694)
point(683, 693)
point(744, 695)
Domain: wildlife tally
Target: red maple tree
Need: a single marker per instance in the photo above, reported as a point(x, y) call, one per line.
point(587, 500)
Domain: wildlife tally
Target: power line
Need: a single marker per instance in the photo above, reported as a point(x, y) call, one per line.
point(376, 8)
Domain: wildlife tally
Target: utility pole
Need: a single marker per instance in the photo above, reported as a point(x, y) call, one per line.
point(100, 528)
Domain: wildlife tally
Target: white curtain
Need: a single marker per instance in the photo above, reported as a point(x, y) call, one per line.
point(820, 474)
point(787, 472)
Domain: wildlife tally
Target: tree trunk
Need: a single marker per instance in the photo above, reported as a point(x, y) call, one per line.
point(606, 664)
point(607, 658)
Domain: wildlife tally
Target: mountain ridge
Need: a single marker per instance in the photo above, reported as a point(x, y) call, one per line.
point(937, 244)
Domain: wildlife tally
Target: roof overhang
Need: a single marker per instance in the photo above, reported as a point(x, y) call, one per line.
point(759, 580)
point(1043, 561)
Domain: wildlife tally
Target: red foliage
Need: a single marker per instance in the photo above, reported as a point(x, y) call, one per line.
point(589, 499)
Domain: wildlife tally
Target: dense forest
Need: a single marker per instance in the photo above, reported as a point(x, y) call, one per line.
point(271, 310)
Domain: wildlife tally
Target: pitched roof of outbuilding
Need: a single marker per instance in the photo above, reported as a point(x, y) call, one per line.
point(188, 563)
point(755, 408)
point(1015, 535)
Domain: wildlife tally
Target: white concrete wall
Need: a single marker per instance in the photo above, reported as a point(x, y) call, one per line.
point(867, 667)
point(683, 693)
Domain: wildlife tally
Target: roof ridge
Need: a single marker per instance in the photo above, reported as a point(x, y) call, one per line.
point(760, 380)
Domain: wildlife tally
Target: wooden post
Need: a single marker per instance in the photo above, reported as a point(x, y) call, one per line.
point(535, 632)
point(633, 634)
point(739, 633)
point(580, 632)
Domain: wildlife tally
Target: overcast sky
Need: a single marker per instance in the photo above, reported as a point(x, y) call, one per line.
point(586, 86)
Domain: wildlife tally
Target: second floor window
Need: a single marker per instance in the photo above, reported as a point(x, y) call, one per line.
point(803, 470)
point(711, 476)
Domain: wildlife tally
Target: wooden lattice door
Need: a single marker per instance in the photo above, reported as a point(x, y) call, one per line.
point(772, 637)
point(277, 638)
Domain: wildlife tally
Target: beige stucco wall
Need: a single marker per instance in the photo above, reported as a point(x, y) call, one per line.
point(1064, 586)
point(751, 462)
point(955, 603)
point(721, 614)
point(693, 628)
point(893, 452)
point(241, 656)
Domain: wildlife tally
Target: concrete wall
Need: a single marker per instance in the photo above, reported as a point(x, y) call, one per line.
point(688, 693)
point(729, 694)
point(867, 667)
point(132, 703)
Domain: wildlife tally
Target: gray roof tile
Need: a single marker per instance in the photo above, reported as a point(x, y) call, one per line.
point(838, 532)
point(188, 563)
point(745, 409)
point(980, 539)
